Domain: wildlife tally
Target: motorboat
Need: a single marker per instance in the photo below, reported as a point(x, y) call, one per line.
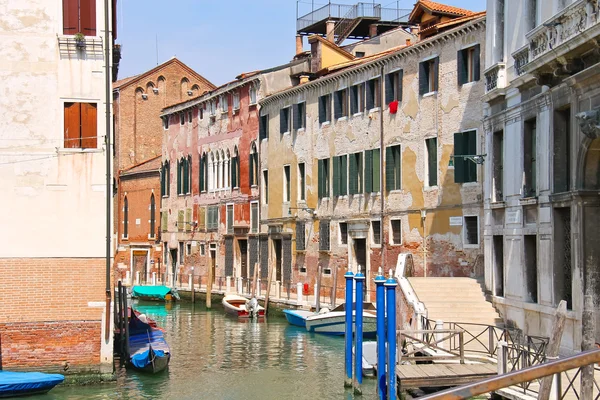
point(154, 293)
point(333, 322)
point(148, 349)
point(27, 383)
point(242, 307)
point(297, 317)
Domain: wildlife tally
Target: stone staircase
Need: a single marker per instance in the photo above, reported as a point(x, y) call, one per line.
point(455, 300)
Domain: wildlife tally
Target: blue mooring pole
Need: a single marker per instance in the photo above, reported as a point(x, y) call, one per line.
point(390, 298)
point(380, 294)
point(348, 337)
point(358, 333)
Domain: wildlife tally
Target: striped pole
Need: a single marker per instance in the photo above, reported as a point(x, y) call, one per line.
point(358, 334)
point(380, 294)
point(390, 291)
point(348, 337)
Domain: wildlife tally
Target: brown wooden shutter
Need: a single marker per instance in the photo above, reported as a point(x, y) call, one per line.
point(72, 112)
point(87, 16)
point(89, 126)
point(70, 17)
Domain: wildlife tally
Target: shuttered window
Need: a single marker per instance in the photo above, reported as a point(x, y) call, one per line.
point(287, 184)
point(372, 171)
point(300, 236)
point(253, 170)
point(81, 125)
point(393, 168)
point(465, 170)
point(324, 235)
point(212, 218)
point(164, 221)
point(228, 255)
point(343, 232)
point(355, 99)
point(396, 226)
point(355, 173)
point(165, 179)
point(202, 173)
point(373, 98)
point(468, 65)
point(180, 220)
point(254, 218)
point(265, 189)
point(230, 218)
point(302, 181)
point(152, 216)
point(428, 76)
point(340, 104)
point(125, 218)
point(431, 148)
point(79, 16)
point(323, 166)
point(235, 172)
point(393, 86)
point(263, 127)
point(201, 217)
point(340, 175)
point(188, 220)
point(284, 120)
point(324, 108)
point(264, 257)
point(299, 115)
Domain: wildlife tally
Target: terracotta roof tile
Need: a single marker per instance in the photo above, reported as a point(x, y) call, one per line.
point(443, 8)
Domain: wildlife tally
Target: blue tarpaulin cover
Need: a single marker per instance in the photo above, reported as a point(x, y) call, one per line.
point(140, 360)
point(23, 382)
point(158, 292)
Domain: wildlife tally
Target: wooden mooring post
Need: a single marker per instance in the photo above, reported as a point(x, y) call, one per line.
point(209, 287)
point(270, 277)
point(553, 347)
point(254, 279)
point(318, 293)
point(334, 288)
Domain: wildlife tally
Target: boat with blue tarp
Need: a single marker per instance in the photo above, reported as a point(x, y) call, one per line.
point(154, 293)
point(27, 383)
point(148, 349)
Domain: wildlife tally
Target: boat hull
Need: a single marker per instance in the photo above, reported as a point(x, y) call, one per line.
point(297, 317)
point(236, 305)
point(333, 323)
point(14, 384)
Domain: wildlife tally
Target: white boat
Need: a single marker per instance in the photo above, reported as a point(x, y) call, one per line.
point(333, 322)
point(242, 307)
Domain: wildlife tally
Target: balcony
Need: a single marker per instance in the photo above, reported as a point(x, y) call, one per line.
point(521, 57)
point(559, 46)
point(495, 77)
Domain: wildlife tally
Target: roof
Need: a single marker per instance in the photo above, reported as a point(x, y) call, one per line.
point(361, 60)
point(120, 84)
point(437, 8)
point(331, 45)
point(151, 165)
point(456, 21)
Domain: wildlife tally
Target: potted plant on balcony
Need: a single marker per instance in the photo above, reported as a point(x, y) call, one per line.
point(80, 40)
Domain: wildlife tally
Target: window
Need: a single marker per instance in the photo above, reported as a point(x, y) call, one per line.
point(188, 248)
point(254, 217)
point(468, 65)
point(284, 120)
point(529, 158)
point(563, 256)
point(355, 174)
point(323, 166)
point(498, 264)
point(183, 175)
point(300, 236)
point(202, 249)
point(125, 218)
point(152, 216)
point(299, 111)
point(393, 168)
point(236, 101)
point(465, 170)
point(166, 253)
point(202, 173)
point(200, 112)
point(373, 98)
point(81, 125)
point(201, 218)
point(497, 166)
point(181, 253)
point(164, 221)
point(252, 94)
point(340, 104)
point(189, 117)
point(396, 227)
point(343, 232)
point(165, 121)
point(428, 76)
point(359, 54)
point(287, 192)
point(302, 181)
point(324, 235)
point(165, 179)
point(253, 170)
point(471, 229)
point(393, 86)
point(180, 220)
point(265, 187)
point(531, 275)
point(324, 108)
point(229, 218)
point(224, 100)
point(372, 171)
point(263, 127)
point(235, 169)
point(79, 16)
point(212, 218)
point(432, 169)
point(562, 160)
point(376, 231)
point(212, 108)
point(356, 98)
point(340, 175)
point(181, 118)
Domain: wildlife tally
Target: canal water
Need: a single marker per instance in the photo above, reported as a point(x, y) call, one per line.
point(216, 356)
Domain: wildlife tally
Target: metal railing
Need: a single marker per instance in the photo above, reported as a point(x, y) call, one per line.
point(430, 346)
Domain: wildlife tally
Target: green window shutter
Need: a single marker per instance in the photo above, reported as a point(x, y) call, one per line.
point(321, 178)
point(470, 144)
point(201, 217)
point(251, 169)
point(432, 160)
point(188, 219)
point(178, 177)
point(459, 162)
point(368, 171)
point(164, 221)
point(389, 169)
point(436, 73)
point(180, 217)
point(359, 170)
point(400, 77)
point(201, 174)
point(476, 63)
point(376, 170)
point(398, 166)
point(233, 172)
point(461, 67)
point(344, 175)
point(353, 175)
point(423, 80)
point(336, 176)
point(389, 89)
point(326, 176)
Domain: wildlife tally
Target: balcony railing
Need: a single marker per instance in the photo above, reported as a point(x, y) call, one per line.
point(521, 57)
point(495, 77)
point(573, 21)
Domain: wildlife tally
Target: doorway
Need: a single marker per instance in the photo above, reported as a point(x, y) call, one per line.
point(139, 263)
point(173, 263)
point(277, 245)
point(213, 263)
point(360, 254)
point(243, 244)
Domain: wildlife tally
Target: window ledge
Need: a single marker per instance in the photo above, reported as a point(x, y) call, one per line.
point(286, 133)
point(430, 94)
point(395, 191)
point(395, 244)
point(254, 186)
point(72, 150)
point(528, 200)
point(497, 204)
point(471, 246)
point(375, 246)
point(470, 184)
point(344, 118)
point(358, 114)
point(300, 251)
point(325, 251)
point(431, 188)
point(325, 124)
point(300, 130)
point(252, 104)
point(467, 84)
point(374, 110)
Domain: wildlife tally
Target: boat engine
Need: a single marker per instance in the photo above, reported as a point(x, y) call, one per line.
point(253, 307)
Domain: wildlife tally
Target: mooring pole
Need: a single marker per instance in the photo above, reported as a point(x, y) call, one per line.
point(380, 295)
point(348, 336)
point(358, 346)
point(390, 298)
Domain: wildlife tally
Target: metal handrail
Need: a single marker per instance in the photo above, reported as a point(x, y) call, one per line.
point(517, 377)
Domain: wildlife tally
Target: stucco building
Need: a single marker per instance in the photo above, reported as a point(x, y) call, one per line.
point(375, 156)
point(138, 101)
point(541, 199)
point(53, 167)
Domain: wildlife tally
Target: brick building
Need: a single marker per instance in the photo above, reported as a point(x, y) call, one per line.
point(210, 178)
point(53, 262)
point(138, 101)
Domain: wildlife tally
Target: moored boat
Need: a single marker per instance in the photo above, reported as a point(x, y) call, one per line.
point(242, 307)
point(154, 293)
point(333, 322)
point(297, 317)
point(27, 383)
point(148, 349)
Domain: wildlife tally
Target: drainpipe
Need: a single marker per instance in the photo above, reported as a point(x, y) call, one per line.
point(108, 80)
point(381, 168)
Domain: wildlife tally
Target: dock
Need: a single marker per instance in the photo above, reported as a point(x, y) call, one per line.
point(439, 375)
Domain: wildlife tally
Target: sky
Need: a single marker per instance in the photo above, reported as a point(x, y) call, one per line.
point(219, 39)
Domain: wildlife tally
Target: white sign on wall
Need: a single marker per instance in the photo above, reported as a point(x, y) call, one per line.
point(513, 217)
point(456, 221)
point(138, 221)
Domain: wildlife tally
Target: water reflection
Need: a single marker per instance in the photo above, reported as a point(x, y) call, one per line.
point(215, 356)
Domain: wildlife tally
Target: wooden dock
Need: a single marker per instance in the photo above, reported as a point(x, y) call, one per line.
point(437, 375)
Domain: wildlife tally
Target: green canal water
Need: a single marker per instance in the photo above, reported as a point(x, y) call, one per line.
point(215, 356)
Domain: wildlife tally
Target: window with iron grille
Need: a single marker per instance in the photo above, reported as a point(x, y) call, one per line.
point(343, 232)
point(229, 256)
point(300, 236)
point(376, 231)
point(230, 218)
point(252, 253)
point(396, 226)
point(264, 257)
point(471, 226)
point(324, 235)
point(254, 217)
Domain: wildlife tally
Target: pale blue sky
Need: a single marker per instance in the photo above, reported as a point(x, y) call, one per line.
point(219, 39)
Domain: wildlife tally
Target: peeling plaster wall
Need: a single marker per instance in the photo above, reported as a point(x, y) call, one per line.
point(452, 109)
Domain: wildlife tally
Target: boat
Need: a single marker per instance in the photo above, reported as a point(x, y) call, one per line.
point(297, 317)
point(369, 358)
point(154, 293)
point(148, 349)
point(27, 383)
point(242, 307)
point(333, 322)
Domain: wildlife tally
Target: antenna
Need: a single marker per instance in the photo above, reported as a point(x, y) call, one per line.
point(157, 49)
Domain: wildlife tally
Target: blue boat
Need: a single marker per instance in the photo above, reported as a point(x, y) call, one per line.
point(154, 293)
point(148, 349)
point(27, 383)
point(297, 317)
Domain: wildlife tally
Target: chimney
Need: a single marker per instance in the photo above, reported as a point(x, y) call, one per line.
point(299, 44)
point(414, 30)
point(304, 79)
point(330, 35)
point(372, 30)
point(408, 42)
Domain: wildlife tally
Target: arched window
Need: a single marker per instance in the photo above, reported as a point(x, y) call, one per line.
point(253, 165)
point(235, 169)
point(152, 216)
point(227, 170)
point(218, 172)
point(189, 174)
point(125, 218)
point(202, 173)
